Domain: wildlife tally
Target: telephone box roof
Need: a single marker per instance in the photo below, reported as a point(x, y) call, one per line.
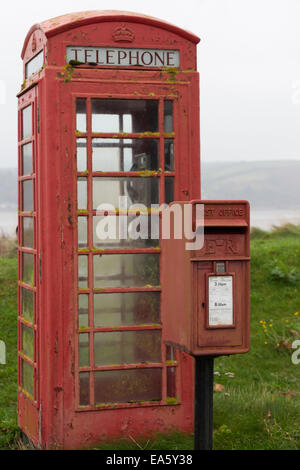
point(73, 20)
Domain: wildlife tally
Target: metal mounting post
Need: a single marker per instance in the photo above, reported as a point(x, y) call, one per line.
point(204, 380)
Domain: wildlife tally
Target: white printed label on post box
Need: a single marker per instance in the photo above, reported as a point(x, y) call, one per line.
point(220, 294)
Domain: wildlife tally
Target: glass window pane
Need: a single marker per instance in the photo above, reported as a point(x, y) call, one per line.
point(124, 115)
point(83, 310)
point(27, 232)
point(81, 114)
point(82, 193)
point(81, 153)
point(138, 231)
point(82, 232)
point(27, 122)
point(169, 189)
point(27, 341)
point(127, 347)
point(83, 272)
point(28, 264)
point(127, 123)
point(170, 353)
point(125, 155)
point(27, 159)
point(128, 270)
point(137, 190)
point(126, 309)
point(168, 116)
point(84, 350)
point(28, 378)
point(27, 305)
point(169, 155)
point(28, 196)
point(121, 386)
point(35, 64)
point(84, 385)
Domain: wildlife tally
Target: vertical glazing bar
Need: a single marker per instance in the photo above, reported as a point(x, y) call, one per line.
point(90, 240)
point(162, 200)
point(161, 150)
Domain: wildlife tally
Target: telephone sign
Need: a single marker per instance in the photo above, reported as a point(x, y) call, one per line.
point(123, 57)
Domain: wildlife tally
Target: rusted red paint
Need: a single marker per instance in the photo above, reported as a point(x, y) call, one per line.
point(226, 240)
point(56, 419)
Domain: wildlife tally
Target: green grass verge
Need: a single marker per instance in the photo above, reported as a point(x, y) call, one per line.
point(258, 406)
point(8, 333)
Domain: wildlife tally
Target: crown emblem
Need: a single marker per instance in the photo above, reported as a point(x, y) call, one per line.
point(123, 34)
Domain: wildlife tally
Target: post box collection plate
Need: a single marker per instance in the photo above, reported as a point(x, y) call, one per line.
point(220, 293)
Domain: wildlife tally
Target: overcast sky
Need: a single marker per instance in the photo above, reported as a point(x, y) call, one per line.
point(248, 58)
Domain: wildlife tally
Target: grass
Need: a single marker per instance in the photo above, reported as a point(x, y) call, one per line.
point(258, 405)
point(8, 333)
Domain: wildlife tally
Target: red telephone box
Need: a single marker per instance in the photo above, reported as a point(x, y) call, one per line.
point(109, 107)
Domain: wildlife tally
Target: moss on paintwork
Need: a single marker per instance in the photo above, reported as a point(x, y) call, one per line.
point(149, 134)
point(172, 73)
point(171, 401)
point(78, 133)
point(67, 73)
point(41, 69)
point(28, 395)
point(147, 173)
point(169, 134)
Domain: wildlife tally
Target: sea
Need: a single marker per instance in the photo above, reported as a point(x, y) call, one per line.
point(263, 219)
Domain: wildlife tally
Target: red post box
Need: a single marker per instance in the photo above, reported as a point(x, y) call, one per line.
point(109, 107)
point(206, 297)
